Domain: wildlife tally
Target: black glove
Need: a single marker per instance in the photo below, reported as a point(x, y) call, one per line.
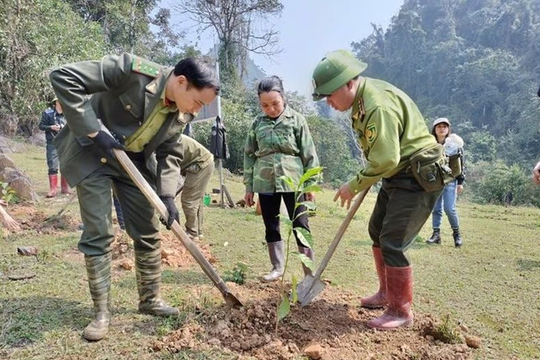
point(106, 143)
point(171, 209)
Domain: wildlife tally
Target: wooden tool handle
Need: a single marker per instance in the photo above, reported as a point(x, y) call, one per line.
point(151, 195)
point(340, 233)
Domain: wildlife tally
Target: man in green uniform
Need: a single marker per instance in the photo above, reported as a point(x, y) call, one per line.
point(197, 168)
point(145, 106)
point(390, 130)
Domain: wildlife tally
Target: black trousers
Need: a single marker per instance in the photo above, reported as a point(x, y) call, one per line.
point(270, 205)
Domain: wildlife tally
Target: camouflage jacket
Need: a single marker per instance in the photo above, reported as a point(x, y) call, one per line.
point(275, 148)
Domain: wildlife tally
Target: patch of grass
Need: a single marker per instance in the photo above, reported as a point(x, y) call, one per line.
point(169, 324)
point(488, 284)
point(237, 274)
point(197, 355)
point(447, 332)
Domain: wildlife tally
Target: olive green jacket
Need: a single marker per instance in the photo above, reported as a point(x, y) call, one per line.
point(195, 154)
point(390, 129)
point(121, 91)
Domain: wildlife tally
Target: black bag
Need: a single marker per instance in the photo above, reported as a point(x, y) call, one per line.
point(430, 167)
point(218, 140)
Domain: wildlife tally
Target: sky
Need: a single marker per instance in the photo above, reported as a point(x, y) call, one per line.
point(310, 28)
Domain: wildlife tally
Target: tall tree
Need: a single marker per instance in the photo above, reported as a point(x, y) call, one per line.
point(127, 24)
point(475, 62)
point(238, 25)
point(35, 36)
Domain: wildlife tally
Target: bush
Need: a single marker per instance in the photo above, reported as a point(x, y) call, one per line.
point(490, 182)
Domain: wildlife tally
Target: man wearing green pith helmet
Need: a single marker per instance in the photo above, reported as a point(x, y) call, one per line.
point(390, 130)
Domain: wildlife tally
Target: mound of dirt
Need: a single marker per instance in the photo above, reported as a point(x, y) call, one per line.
point(332, 327)
point(32, 219)
point(173, 252)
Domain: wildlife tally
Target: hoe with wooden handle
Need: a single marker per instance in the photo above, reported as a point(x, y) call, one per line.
point(312, 285)
point(156, 202)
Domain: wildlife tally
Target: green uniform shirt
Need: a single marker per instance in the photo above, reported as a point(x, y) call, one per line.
point(150, 127)
point(390, 129)
point(194, 153)
point(275, 148)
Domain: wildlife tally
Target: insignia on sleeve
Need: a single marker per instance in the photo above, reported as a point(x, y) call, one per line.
point(371, 133)
point(145, 67)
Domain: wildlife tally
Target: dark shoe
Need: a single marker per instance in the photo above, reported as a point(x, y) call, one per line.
point(378, 300)
point(277, 258)
point(53, 186)
point(148, 273)
point(99, 281)
point(457, 238)
point(399, 282)
point(435, 238)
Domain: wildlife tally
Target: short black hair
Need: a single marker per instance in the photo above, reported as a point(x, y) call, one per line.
point(271, 83)
point(199, 73)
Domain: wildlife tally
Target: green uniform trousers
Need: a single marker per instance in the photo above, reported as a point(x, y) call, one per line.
point(192, 194)
point(402, 208)
point(95, 201)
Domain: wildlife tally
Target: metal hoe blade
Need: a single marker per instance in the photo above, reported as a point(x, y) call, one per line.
point(312, 285)
point(308, 289)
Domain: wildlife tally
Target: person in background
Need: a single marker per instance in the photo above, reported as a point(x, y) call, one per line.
point(7, 220)
point(453, 145)
point(197, 169)
point(278, 144)
point(536, 170)
point(52, 121)
point(390, 130)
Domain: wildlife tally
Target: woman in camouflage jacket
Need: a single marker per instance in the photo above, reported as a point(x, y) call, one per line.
point(278, 144)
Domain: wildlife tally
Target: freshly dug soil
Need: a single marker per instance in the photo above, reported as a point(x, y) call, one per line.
point(333, 325)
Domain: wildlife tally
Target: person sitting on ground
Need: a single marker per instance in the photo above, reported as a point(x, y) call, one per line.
point(7, 220)
point(278, 144)
point(453, 145)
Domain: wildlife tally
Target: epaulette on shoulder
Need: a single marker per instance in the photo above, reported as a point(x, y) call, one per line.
point(145, 67)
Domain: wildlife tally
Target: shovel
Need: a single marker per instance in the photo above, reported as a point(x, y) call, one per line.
point(312, 285)
point(156, 202)
point(57, 215)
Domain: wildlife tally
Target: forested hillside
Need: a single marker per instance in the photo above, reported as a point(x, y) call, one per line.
point(473, 61)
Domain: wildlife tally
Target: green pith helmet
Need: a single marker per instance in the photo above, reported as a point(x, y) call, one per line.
point(334, 71)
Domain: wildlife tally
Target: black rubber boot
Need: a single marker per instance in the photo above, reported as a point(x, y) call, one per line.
point(435, 238)
point(457, 238)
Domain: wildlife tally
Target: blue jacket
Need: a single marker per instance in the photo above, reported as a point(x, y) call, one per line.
point(49, 118)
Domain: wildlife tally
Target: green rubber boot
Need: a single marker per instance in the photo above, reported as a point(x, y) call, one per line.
point(99, 281)
point(148, 272)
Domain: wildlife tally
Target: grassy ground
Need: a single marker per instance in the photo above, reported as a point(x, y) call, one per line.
point(490, 285)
